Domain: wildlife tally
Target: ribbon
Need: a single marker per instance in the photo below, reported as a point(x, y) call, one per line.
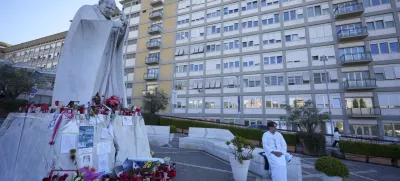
point(68, 116)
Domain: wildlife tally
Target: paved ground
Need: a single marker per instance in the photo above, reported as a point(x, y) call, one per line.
point(195, 165)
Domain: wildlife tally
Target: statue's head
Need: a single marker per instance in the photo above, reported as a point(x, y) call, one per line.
point(107, 7)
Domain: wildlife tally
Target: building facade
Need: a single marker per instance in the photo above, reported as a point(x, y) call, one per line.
point(207, 53)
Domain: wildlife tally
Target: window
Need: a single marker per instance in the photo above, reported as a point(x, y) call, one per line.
point(322, 101)
point(272, 38)
point(131, 42)
point(274, 101)
point(230, 102)
point(320, 31)
point(270, 60)
point(195, 49)
point(270, 19)
point(197, 32)
point(183, 35)
point(183, 4)
point(180, 103)
point(231, 44)
point(298, 100)
point(359, 102)
point(183, 20)
point(385, 47)
point(135, 15)
point(195, 84)
point(180, 85)
point(250, 41)
point(318, 10)
point(128, 85)
point(380, 22)
point(391, 129)
point(320, 78)
point(213, 83)
point(293, 15)
point(231, 26)
point(195, 104)
point(134, 28)
point(251, 81)
point(231, 64)
point(298, 78)
point(181, 51)
point(198, 16)
point(249, 5)
point(231, 9)
point(136, 2)
point(211, 105)
point(265, 3)
point(389, 100)
point(213, 29)
point(130, 55)
point(198, 2)
point(274, 80)
point(250, 22)
point(196, 67)
point(250, 102)
point(180, 68)
point(212, 13)
point(369, 3)
point(213, 47)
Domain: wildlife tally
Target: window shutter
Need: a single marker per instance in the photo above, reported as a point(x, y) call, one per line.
point(217, 83)
point(200, 85)
point(388, 17)
point(324, 6)
point(333, 75)
point(207, 85)
point(299, 11)
point(379, 70)
point(397, 72)
point(177, 52)
point(389, 74)
point(306, 76)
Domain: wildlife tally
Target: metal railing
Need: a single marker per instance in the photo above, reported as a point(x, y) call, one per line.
point(348, 9)
point(352, 32)
point(154, 59)
point(366, 83)
point(150, 76)
point(153, 44)
point(154, 28)
point(156, 2)
point(364, 111)
point(354, 57)
point(156, 14)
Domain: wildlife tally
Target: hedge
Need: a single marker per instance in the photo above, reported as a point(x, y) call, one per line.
point(172, 129)
point(251, 134)
point(370, 149)
point(331, 167)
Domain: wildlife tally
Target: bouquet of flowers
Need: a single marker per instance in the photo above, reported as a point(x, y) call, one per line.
point(113, 102)
point(56, 178)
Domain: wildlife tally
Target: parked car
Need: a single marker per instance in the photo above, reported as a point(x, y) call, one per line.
point(258, 126)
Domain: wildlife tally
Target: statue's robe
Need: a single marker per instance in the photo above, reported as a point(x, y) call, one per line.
point(91, 61)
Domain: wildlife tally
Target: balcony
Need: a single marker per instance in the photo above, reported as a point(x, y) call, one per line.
point(149, 91)
point(154, 29)
point(352, 34)
point(356, 58)
point(152, 60)
point(364, 112)
point(155, 44)
point(348, 11)
point(366, 84)
point(150, 76)
point(155, 3)
point(155, 15)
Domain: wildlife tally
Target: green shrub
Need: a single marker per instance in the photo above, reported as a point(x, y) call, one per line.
point(251, 134)
point(331, 167)
point(172, 129)
point(314, 142)
point(8, 105)
point(370, 149)
point(150, 119)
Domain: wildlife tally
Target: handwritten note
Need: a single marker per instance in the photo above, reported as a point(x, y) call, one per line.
point(104, 133)
point(68, 142)
point(103, 163)
point(103, 148)
point(126, 120)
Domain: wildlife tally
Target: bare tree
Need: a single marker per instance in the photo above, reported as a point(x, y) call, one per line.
point(155, 101)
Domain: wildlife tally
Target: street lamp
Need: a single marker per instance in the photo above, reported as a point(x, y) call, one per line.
point(323, 58)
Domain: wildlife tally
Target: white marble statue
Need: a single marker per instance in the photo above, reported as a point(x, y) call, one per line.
point(91, 61)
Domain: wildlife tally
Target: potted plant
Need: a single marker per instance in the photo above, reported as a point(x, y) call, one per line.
point(332, 168)
point(241, 150)
point(308, 118)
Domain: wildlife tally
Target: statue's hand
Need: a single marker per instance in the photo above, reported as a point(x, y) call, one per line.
point(117, 24)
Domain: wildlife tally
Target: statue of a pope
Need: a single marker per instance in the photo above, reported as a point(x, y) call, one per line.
point(91, 61)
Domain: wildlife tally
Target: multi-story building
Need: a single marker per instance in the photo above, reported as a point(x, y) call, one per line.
point(207, 53)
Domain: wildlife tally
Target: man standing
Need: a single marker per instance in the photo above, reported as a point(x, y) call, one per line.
point(91, 61)
point(275, 149)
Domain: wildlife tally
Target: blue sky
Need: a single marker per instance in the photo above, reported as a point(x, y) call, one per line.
point(25, 20)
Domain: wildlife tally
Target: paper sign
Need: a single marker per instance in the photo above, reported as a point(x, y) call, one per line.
point(68, 142)
point(103, 148)
point(111, 130)
point(100, 118)
point(126, 120)
point(86, 134)
point(85, 151)
point(103, 163)
point(104, 133)
point(85, 160)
